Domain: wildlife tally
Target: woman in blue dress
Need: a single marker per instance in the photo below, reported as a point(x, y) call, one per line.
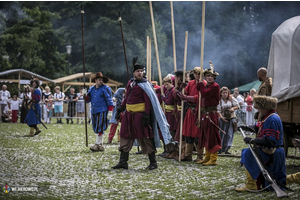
point(34, 114)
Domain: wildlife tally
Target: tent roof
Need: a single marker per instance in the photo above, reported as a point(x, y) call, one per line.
point(247, 87)
point(284, 60)
point(26, 74)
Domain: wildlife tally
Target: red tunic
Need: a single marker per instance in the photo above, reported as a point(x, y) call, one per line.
point(189, 128)
point(209, 134)
point(131, 124)
point(170, 100)
point(177, 102)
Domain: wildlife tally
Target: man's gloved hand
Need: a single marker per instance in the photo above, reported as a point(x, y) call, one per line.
point(181, 96)
point(247, 128)
point(109, 115)
point(249, 140)
point(146, 119)
point(183, 85)
point(120, 109)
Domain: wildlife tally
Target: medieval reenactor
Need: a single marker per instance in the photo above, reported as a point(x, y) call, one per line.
point(100, 96)
point(189, 128)
point(117, 98)
point(209, 118)
point(169, 101)
point(25, 96)
point(143, 113)
point(33, 117)
point(269, 146)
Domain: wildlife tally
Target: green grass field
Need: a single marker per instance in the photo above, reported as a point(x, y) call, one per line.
point(62, 167)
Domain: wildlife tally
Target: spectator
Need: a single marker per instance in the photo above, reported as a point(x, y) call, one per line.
point(240, 114)
point(80, 105)
point(58, 104)
point(4, 97)
point(6, 117)
point(249, 111)
point(14, 105)
point(72, 98)
point(226, 108)
point(49, 108)
point(25, 96)
point(46, 95)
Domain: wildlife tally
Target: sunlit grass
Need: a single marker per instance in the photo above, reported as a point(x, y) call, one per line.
point(59, 163)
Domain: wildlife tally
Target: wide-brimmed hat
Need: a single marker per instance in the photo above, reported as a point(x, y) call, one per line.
point(99, 75)
point(211, 70)
point(265, 102)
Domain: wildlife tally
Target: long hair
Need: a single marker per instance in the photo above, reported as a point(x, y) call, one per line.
point(224, 88)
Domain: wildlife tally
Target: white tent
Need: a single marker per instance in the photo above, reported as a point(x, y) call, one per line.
point(284, 60)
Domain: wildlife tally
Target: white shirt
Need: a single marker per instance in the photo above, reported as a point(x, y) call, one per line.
point(4, 96)
point(14, 104)
point(58, 96)
point(27, 94)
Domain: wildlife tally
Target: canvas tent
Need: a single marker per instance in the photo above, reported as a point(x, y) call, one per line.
point(247, 87)
point(284, 60)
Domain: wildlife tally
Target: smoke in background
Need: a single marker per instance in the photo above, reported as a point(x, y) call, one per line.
point(237, 34)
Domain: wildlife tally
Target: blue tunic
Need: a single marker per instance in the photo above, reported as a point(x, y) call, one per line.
point(100, 99)
point(272, 128)
point(31, 117)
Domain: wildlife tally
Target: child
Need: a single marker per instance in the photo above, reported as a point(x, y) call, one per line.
point(14, 105)
point(6, 117)
point(49, 105)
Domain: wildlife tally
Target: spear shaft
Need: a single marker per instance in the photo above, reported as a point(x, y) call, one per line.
point(83, 63)
point(120, 20)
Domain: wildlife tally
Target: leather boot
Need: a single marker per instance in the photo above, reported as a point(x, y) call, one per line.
point(293, 178)
point(118, 135)
point(213, 159)
point(37, 131)
point(173, 154)
point(188, 152)
point(152, 159)
point(206, 158)
point(123, 161)
point(31, 133)
point(199, 154)
point(182, 154)
point(250, 184)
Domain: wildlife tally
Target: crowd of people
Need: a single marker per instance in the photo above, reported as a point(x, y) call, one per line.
point(150, 115)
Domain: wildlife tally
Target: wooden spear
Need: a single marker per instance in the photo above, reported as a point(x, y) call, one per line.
point(147, 58)
point(156, 50)
point(83, 63)
point(182, 102)
point(150, 52)
point(201, 62)
point(173, 36)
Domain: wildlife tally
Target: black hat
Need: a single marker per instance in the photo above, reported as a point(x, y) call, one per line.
point(136, 66)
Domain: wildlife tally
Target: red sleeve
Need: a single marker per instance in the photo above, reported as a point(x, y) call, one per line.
point(208, 92)
point(110, 108)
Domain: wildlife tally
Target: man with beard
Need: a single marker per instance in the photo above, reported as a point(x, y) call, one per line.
point(143, 113)
point(209, 118)
point(100, 96)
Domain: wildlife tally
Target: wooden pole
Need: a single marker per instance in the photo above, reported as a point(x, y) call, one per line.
point(201, 62)
point(147, 58)
point(182, 102)
point(173, 36)
point(150, 53)
point(156, 49)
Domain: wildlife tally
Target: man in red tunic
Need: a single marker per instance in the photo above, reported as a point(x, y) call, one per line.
point(169, 112)
point(209, 121)
point(189, 128)
point(135, 123)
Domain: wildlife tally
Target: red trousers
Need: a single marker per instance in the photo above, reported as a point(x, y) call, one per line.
point(112, 132)
point(14, 116)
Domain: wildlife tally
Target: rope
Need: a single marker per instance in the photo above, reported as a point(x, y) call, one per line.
point(256, 191)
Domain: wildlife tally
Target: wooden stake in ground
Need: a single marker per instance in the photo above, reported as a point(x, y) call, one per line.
point(150, 51)
point(156, 49)
point(201, 62)
point(182, 102)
